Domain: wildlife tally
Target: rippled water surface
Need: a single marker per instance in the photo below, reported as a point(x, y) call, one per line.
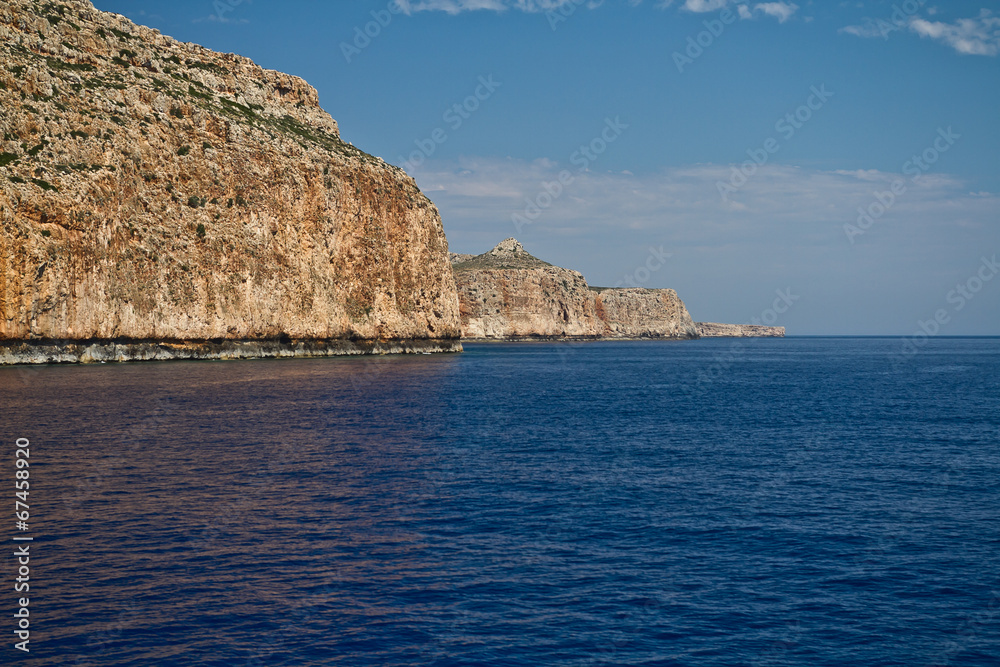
point(716, 502)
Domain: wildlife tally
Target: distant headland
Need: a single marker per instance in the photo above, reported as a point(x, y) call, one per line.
point(508, 294)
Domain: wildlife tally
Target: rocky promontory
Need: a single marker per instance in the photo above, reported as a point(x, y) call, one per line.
point(716, 330)
point(507, 294)
point(161, 200)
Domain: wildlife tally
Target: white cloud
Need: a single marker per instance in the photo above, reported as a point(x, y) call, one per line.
point(704, 5)
point(779, 10)
point(488, 191)
point(869, 30)
point(977, 36)
point(458, 6)
point(862, 174)
point(215, 18)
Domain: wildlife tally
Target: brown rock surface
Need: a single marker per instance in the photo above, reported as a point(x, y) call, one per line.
point(644, 313)
point(152, 190)
point(508, 294)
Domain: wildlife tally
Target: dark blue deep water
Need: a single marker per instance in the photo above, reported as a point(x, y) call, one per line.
point(757, 502)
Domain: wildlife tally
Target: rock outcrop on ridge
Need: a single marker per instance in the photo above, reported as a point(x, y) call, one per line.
point(508, 294)
point(159, 200)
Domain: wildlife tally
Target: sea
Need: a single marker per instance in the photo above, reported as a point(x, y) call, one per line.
point(719, 502)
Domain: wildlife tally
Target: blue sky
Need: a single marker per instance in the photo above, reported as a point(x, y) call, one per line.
point(739, 138)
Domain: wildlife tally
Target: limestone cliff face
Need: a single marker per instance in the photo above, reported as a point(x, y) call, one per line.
point(508, 294)
point(524, 303)
point(155, 190)
point(716, 330)
point(644, 313)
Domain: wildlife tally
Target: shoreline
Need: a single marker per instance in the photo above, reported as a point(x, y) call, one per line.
point(49, 352)
point(14, 353)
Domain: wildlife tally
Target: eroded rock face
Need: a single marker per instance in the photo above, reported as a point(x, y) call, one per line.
point(508, 294)
point(152, 190)
point(716, 330)
point(526, 303)
point(644, 313)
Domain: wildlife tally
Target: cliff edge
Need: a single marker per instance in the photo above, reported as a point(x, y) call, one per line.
point(159, 200)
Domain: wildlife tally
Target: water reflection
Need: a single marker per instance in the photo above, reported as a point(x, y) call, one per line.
point(178, 500)
point(519, 504)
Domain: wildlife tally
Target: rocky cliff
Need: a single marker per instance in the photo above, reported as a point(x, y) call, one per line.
point(159, 199)
point(508, 294)
point(716, 330)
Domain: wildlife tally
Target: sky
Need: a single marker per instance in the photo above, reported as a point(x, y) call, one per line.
point(830, 167)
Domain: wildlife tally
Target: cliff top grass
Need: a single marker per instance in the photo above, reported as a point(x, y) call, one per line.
point(68, 63)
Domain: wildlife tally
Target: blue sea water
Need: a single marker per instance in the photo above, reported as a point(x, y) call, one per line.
point(754, 502)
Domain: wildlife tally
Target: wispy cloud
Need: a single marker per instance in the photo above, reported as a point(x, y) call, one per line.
point(222, 8)
point(868, 30)
point(458, 6)
point(779, 10)
point(702, 5)
point(490, 190)
point(977, 36)
point(786, 227)
point(215, 18)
